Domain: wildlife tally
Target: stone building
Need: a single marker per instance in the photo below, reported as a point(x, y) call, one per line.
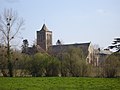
point(100, 56)
point(44, 41)
point(44, 38)
point(44, 44)
point(86, 48)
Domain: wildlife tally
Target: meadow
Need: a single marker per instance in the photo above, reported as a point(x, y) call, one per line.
point(59, 83)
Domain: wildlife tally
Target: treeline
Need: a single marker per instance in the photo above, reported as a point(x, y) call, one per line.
point(71, 63)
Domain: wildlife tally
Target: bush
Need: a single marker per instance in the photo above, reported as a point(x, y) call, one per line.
point(111, 65)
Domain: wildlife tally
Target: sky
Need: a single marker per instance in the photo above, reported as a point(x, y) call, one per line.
point(71, 21)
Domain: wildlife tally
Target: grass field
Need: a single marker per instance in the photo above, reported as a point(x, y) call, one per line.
point(59, 83)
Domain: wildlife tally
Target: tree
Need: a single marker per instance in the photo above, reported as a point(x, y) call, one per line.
point(116, 44)
point(42, 64)
point(58, 42)
point(25, 46)
point(10, 25)
point(73, 63)
point(52, 66)
point(3, 61)
point(111, 65)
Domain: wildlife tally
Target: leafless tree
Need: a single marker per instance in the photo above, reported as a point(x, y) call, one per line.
point(10, 25)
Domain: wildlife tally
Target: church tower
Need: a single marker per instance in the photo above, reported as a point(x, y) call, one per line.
point(44, 38)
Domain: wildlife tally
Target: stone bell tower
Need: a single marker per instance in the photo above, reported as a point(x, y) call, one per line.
point(44, 38)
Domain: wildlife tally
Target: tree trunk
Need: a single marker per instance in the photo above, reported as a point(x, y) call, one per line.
point(10, 66)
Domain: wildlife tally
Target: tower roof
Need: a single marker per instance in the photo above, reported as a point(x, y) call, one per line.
point(44, 27)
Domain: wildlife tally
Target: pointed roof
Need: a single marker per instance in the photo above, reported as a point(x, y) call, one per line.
point(44, 27)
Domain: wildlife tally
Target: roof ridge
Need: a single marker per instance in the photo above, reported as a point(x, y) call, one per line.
point(73, 44)
point(44, 28)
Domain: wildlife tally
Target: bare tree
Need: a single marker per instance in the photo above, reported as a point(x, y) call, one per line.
point(10, 25)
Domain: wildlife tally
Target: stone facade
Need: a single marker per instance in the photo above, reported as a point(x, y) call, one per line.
point(44, 38)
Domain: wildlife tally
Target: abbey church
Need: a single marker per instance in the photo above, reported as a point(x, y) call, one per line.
point(44, 45)
point(44, 41)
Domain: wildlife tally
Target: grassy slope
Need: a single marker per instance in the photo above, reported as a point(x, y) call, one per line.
point(57, 83)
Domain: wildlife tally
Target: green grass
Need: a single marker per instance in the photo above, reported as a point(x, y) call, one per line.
point(59, 83)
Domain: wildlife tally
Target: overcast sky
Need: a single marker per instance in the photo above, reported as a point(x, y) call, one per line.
point(72, 21)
